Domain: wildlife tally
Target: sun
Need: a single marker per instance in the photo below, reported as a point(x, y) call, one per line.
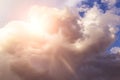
point(37, 24)
point(42, 21)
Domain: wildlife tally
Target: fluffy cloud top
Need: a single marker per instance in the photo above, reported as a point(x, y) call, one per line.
point(115, 50)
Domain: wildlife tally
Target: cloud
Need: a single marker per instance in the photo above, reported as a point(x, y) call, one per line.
point(61, 3)
point(67, 48)
point(115, 50)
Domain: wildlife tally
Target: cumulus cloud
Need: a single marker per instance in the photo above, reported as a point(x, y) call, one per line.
point(115, 50)
point(57, 44)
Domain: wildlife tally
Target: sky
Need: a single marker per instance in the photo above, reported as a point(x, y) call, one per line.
point(59, 40)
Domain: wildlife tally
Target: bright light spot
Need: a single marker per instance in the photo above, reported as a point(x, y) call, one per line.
point(37, 25)
point(42, 21)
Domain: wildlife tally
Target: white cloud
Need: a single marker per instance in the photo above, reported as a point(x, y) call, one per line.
point(115, 50)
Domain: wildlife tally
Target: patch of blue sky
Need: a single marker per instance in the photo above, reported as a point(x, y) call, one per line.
point(103, 6)
point(90, 4)
point(116, 43)
point(117, 4)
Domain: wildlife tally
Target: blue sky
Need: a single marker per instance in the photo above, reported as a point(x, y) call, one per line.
point(103, 6)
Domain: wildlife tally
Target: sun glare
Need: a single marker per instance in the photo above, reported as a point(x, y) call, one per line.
point(37, 25)
point(42, 22)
